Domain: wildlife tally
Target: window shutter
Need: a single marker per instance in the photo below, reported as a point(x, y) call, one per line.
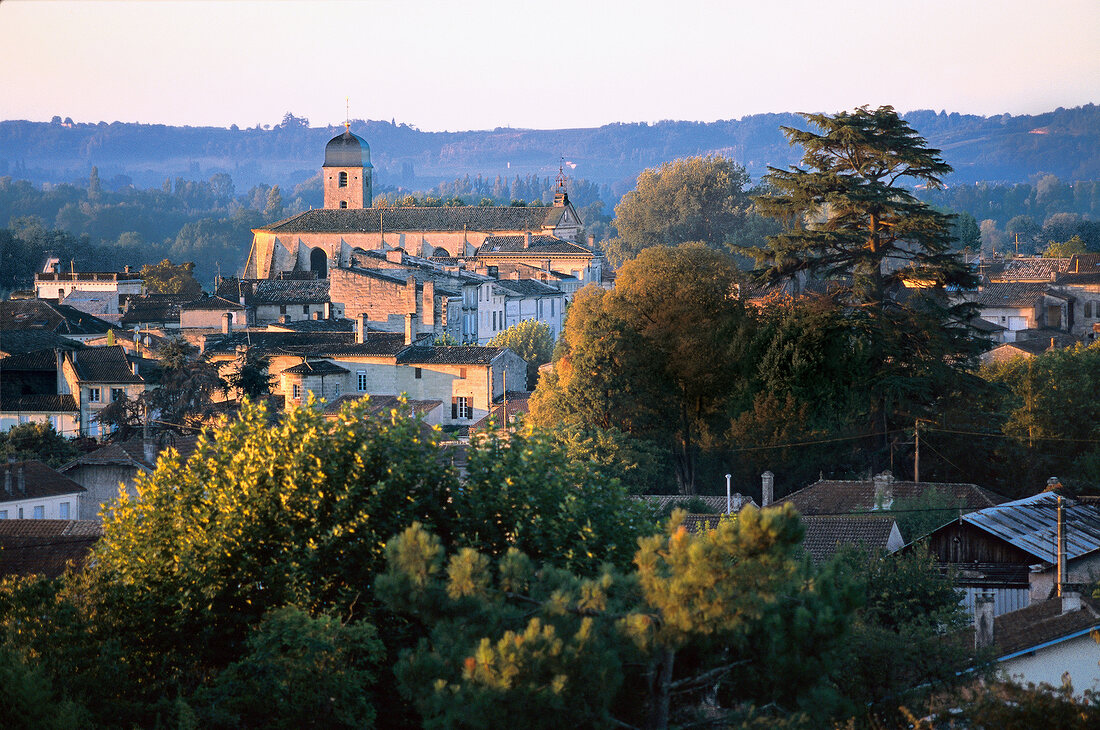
point(454, 407)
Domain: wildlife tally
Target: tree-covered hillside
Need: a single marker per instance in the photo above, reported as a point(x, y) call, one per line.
point(1004, 148)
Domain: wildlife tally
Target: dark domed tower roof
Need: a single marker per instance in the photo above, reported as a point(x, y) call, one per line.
point(347, 150)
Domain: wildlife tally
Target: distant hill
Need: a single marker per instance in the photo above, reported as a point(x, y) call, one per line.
point(1064, 142)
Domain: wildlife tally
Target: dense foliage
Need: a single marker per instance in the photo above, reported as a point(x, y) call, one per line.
point(531, 340)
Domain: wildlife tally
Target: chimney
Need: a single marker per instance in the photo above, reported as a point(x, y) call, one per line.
point(767, 488)
point(227, 323)
point(884, 490)
point(361, 329)
point(1071, 601)
point(21, 480)
point(394, 255)
point(134, 367)
point(410, 294)
point(316, 316)
point(983, 620)
point(427, 305)
point(285, 319)
point(328, 310)
point(149, 451)
point(592, 241)
point(410, 328)
point(7, 478)
point(1053, 483)
point(527, 239)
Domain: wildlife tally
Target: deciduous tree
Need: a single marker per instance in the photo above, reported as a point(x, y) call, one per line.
point(531, 340)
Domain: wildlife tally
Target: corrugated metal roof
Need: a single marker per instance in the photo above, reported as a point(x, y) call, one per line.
point(1031, 523)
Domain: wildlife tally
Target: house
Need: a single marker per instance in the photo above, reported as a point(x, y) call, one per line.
point(506, 409)
point(1023, 305)
point(1045, 641)
point(530, 299)
point(717, 504)
point(97, 377)
point(281, 300)
point(1028, 348)
point(152, 311)
point(104, 471)
point(430, 412)
point(46, 547)
point(1009, 549)
point(59, 319)
point(33, 491)
point(99, 291)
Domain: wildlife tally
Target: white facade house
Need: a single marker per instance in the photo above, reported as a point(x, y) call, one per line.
point(33, 491)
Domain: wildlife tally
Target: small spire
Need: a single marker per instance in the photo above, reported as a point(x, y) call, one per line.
point(561, 174)
point(347, 114)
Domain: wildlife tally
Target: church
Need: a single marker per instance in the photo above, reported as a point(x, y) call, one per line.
point(467, 271)
point(542, 237)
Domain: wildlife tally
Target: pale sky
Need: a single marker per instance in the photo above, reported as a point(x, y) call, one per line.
point(476, 64)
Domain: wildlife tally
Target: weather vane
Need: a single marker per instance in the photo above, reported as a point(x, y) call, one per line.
point(561, 173)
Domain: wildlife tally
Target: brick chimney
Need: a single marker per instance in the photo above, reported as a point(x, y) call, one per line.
point(410, 328)
point(394, 255)
point(361, 329)
point(983, 620)
point(227, 323)
point(884, 490)
point(527, 239)
point(767, 488)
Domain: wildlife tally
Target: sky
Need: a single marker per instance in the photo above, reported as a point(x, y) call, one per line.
point(477, 64)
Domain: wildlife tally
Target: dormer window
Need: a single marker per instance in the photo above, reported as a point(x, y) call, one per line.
point(343, 180)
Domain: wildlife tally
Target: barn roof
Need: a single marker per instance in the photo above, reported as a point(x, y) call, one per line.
point(1031, 525)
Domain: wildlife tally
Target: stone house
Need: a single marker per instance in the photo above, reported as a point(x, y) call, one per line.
point(213, 312)
point(526, 299)
point(281, 300)
point(47, 316)
point(110, 286)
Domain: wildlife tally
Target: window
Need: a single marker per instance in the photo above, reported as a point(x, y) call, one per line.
point(60, 294)
point(361, 376)
point(461, 407)
point(418, 374)
point(494, 320)
point(305, 309)
point(3, 514)
point(336, 389)
point(39, 512)
point(117, 394)
point(343, 203)
point(282, 309)
point(63, 510)
point(1088, 309)
point(296, 391)
point(551, 307)
point(93, 395)
point(462, 373)
point(20, 513)
point(343, 183)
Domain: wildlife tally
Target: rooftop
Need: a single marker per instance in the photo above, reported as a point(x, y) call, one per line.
point(316, 367)
point(104, 365)
point(32, 479)
point(829, 496)
point(460, 355)
point(1030, 524)
point(275, 291)
point(397, 220)
point(45, 547)
point(539, 246)
point(61, 319)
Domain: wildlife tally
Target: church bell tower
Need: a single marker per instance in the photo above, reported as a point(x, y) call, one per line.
point(347, 172)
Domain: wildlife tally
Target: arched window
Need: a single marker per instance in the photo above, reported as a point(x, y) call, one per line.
point(318, 261)
point(343, 203)
point(343, 179)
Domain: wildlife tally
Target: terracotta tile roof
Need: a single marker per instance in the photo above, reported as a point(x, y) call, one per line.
point(826, 533)
point(1010, 294)
point(378, 344)
point(289, 342)
point(132, 453)
point(844, 497)
point(1031, 269)
point(39, 403)
point(275, 291)
point(104, 365)
point(316, 367)
point(313, 325)
point(15, 342)
point(1040, 623)
point(211, 303)
point(45, 547)
point(33, 480)
point(461, 355)
point(540, 246)
point(373, 220)
point(22, 314)
point(152, 308)
point(37, 360)
point(379, 404)
point(528, 288)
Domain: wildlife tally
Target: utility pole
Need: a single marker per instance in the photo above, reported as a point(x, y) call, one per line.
point(1061, 546)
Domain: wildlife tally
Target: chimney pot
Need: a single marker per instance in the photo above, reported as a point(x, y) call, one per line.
point(410, 328)
point(527, 239)
point(285, 319)
point(1071, 601)
point(767, 488)
point(884, 490)
point(316, 316)
point(328, 310)
point(227, 323)
point(149, 450)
